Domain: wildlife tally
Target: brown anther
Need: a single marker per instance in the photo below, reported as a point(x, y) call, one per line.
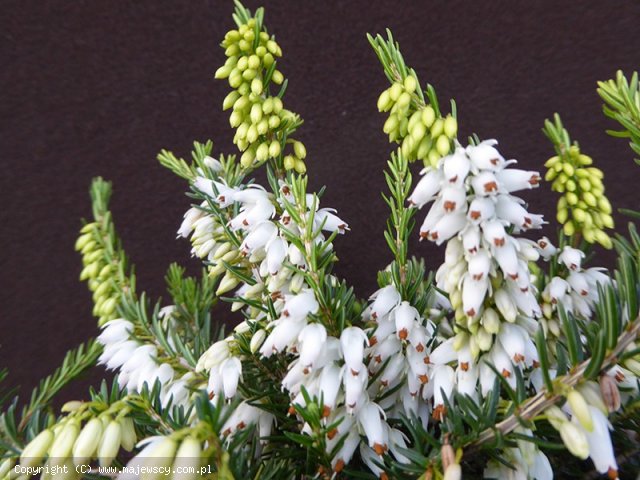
point(534, 180)
point(305, 371)
point(384, 383)
point(384, 476)
point(453, 179)
point(292, 410)
point(354, 372)
point(403, 334)
point(373, 340)
point(379, 449)
point(285, 313)
point(498, 242)
point(321, 470)
point(211, 395)
point(424, 235)
point(293, 349)
point(490, 187)
point(584, 293)
point(241, 425)
point(524, 289)
point(221, 198)
point(226, 432)
point(513, 276)
point(494, 161)
point(473, 250)
point(477, 276)
point(471, 312)
point(474, 214)
point(518, 357)
point(619, 376)
point(286, 190)
point(506, 373)
point(374, 315)
point(535, 364)
point(427, 360)
point(449, 206)
point(612, 473)
point(339, 466)
point(326, 411)
point(276, 295)
point(378, 358)
point(439, 412)
point(420, 348)
point(245, 223)
point(423, 378)
point(464, 366)
point(542, 244)
point(527, 221)
point(434, 235)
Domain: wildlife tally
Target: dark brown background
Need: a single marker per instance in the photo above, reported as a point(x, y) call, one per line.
point(99, 87)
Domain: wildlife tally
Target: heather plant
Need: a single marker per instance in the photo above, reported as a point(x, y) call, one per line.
point(515, 357)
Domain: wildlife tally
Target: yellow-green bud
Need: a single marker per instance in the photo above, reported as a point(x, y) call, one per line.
point(450, 126)
point(249, 74)
point(580, 409)
point(574, 440)
point(390, 124)
point(256, 113)
point(256, 86)
point(110, 443)
point(274, 149)
point(247, 158)
point(159, 457)
point(395, 91)
point(272, 46)
point(569, 229)
point(257, 340)
point(262, 153)
point(36, 449)
point(424, 147)
point(252, 134)
point(403, 100)
point(410, 84)
point(604, 205)
point(87, 441)
point(223, 72)
point(572, 198)
point(243, 63)
point(384, 101)
point(579, 215)
point(267, 106)
point(300, 167)
point(188, 460)
point(418, 131)
point(254, 62)
point(277, 77)
point(552, 161)
point(443, 145)
point(277, 105)
point(437, 128)
point(299, 149)
point(289, 162)
point(128, 436)
point(590, 199)
point(428, 116)
point(235, 119)
point(585, 160)
point(432, 158)
point(262, 127)
point(603, 239)
point(261, 51)
point(228, 282)
point(229, 100)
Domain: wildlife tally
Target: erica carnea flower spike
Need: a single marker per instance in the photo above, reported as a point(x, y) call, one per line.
point(583, 208)
point(491, 364)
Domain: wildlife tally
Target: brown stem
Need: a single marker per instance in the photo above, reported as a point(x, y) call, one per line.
point(544, 399)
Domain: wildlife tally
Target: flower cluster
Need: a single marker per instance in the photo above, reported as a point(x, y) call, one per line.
point(424, 134)
point(260, 119)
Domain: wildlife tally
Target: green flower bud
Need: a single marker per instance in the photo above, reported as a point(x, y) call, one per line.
point(252, 134)
point(570, 186)
point(261, 51)
point(572, 198)
point(552, 161)
point(579, 214)
point(246, 160)
point(235, 79)
point(395, 91)
point(437, 128)
point(607, 220)
point(424, 147)
point(584, 160)
point(300, 167)
point(590, 199)
point(242, 64)
point(229, 100)
point(384, 101)
point(450, 126)
point(256, 113)
point(249, 74)
point(604, 205)
point(403, 101)
point(223, 72)
point(391, 124)
point(574, 440)
point(277, 105)
point(418, 131)
point(254, 62)
point(36, 449)
point(158, 459)
point(299, 149)
point(562, 215)
point(569, 229)
point(274, 122)
point(128, 436)
point(410, 84)
point(188, 460)
point(235, 119)
point(249, 35)
point(110, 443)
point(407, 146)
point(257, 340)
point(262, 152)
point(272, 46)
point(603, 239)
point(550, 175)
point(443, 145)
point(274, 149)
point(228, 283)
point(87, 442)
point(580, 409)
point(244, 45)
point(428, 116)
point(432, 159)
point(268, 60)
point(83, 240)
point(277, 77)
point(289, 162)
point(256, 86)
